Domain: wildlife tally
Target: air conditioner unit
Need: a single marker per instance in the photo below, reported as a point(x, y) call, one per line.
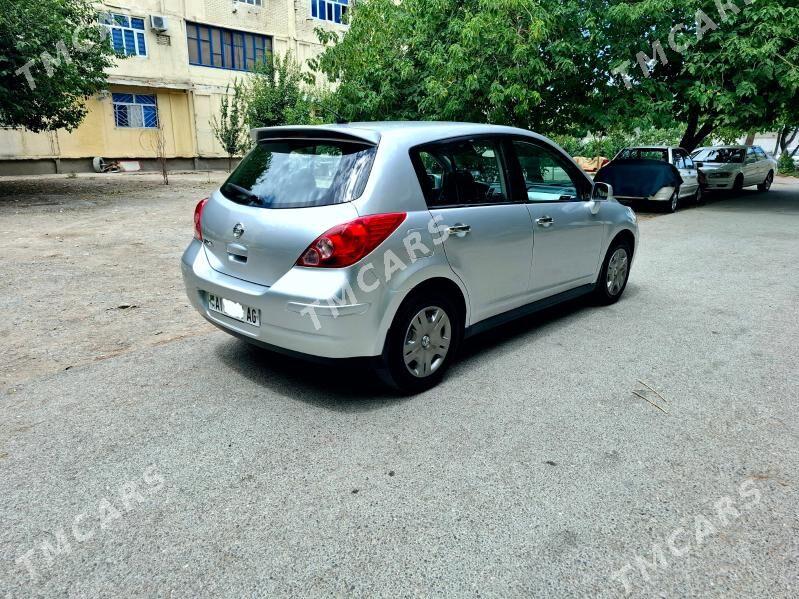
point(158, 23)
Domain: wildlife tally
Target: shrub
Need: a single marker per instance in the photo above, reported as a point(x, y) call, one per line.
point(785, 164)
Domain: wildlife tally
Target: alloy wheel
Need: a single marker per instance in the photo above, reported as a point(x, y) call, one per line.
point(427, 341)
point(618, 265)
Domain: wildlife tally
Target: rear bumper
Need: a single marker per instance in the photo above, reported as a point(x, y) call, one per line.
point(306, 311)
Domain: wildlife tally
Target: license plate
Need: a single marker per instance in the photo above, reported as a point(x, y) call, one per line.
point(234, 310)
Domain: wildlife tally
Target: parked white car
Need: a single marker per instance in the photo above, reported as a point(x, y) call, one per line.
point(735, 167)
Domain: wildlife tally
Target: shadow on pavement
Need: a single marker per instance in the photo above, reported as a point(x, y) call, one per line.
point(351, 386)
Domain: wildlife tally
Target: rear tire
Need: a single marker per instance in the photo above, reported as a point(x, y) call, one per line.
point(671, 206)
point(615, 272)
point(421, 343)
point(766, 184)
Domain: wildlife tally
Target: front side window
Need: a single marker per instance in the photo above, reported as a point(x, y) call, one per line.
point(760, 153)
point(330, 10)
point(127, 34)
point(135, 110)
point(224, 48)
point(545, 173)
point(719, 155)
point(462, 173)
point(300, 173)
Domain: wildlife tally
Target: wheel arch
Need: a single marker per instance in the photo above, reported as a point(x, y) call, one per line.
point(624, 235)
point(437, 283)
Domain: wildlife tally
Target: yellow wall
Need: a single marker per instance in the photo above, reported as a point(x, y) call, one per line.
point(188, 96)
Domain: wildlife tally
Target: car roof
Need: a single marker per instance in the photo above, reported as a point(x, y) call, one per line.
point(406, 132)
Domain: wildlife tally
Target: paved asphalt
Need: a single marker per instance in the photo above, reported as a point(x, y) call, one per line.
point(204, 467)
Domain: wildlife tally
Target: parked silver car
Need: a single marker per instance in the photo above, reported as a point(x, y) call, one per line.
point(395, 241)
point(735, 167)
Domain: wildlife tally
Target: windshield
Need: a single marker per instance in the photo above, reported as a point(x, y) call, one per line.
point(723, 155)
point(300, 173)
point(644, 154)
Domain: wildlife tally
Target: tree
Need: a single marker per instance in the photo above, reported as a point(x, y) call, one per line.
point(571, 66)
point(706, 64)
point(515, 62)
point(276, 94)
point(230, 128)
point(52, 57)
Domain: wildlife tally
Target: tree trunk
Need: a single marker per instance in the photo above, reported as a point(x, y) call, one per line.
point(777, 142)
point(229, 163)
point(750, 139)
point(693, 137)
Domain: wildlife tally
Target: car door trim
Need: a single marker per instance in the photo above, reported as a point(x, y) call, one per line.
point(527, 309)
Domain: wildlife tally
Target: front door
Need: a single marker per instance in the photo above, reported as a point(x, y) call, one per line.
point(689, 174)
point(488, 236)
point(567, 237)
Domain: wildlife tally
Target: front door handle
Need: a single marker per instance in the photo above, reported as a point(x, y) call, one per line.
point(544, 221)
point(459, 230)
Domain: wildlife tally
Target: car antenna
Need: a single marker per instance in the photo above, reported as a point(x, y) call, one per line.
point(340, 120)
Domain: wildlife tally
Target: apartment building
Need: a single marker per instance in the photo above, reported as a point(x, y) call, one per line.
point(181, 55)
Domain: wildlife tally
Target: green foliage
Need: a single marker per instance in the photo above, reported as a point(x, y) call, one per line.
point(515, 62)
point(610, 143)
point(738, 70)
point(276, 94)
point(785, 164)
point(230, 128)
point(548, 64)
point(64, 51)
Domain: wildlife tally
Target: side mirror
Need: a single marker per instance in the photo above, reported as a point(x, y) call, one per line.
point(601, 191)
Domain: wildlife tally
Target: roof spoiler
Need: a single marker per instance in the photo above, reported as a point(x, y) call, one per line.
point(323, 132)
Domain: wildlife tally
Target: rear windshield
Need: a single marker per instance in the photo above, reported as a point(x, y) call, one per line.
point(300, 173)
point(722, 155)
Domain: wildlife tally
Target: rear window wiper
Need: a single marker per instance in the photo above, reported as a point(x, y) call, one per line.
point(242, 191)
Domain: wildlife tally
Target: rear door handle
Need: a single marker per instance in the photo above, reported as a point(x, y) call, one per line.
point(459, 230)
point(544, 221)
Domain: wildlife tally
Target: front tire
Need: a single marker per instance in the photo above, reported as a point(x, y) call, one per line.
point(614, 274)
point(699, 196)
point(766, 185)
point(421, 343)
point(739, 184)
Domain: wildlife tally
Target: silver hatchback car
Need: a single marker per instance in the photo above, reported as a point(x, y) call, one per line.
point(395, 241)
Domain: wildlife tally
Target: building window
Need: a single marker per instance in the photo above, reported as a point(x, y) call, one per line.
point(225, 48)
point(127, 34)
point(135, 110)
point(330, 10)
point(252, 2)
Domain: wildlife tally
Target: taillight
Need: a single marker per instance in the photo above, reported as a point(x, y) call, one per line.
point(344, 245)
point(198, 218)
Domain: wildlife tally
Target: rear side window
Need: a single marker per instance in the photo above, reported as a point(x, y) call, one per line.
point(300, 173)
point(462, 173)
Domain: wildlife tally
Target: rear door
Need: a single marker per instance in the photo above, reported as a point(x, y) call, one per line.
point(751, 168)
point(488, 236)
point(284, 194)
point(567, 237)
